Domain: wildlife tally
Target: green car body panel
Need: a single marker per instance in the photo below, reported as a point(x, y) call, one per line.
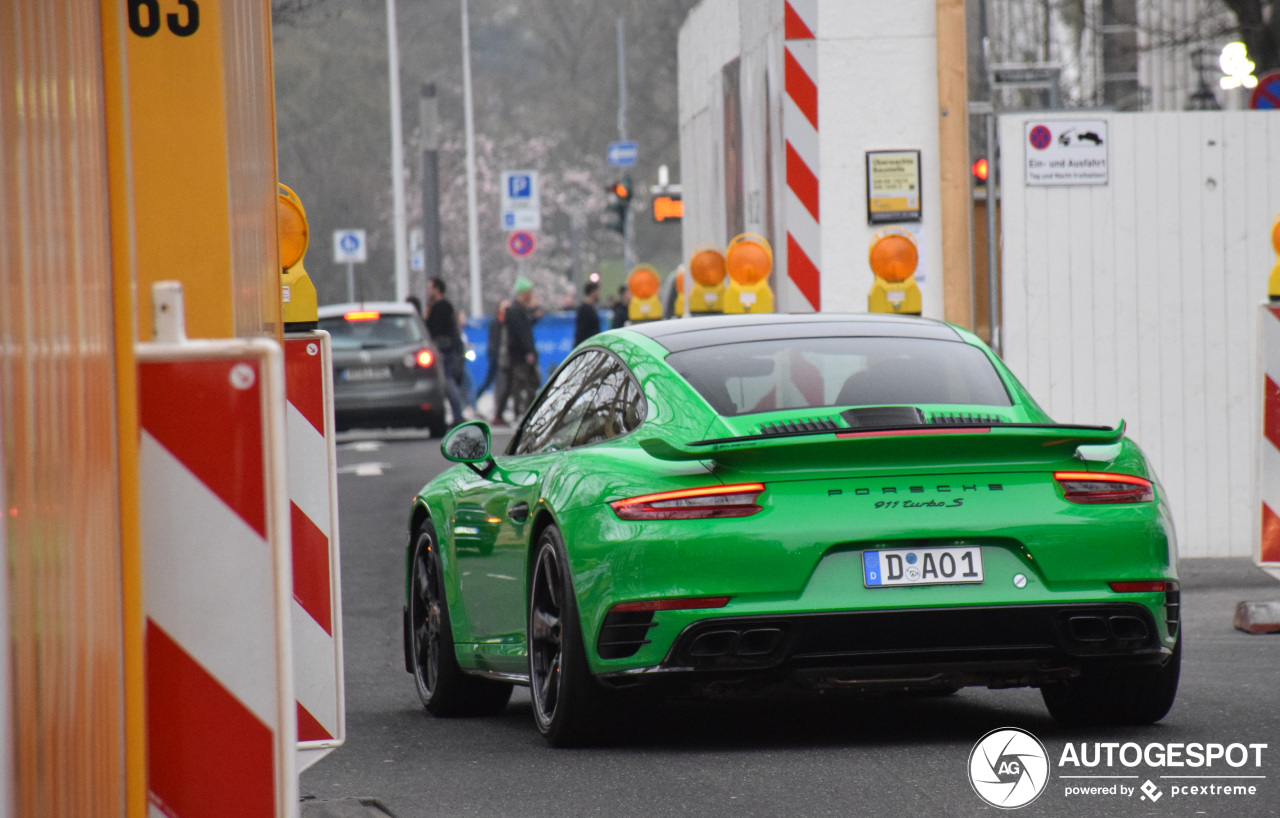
point(827, 499)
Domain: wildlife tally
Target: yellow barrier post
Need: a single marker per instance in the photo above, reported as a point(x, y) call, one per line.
point(708, 271)
point(893, 258)
point(645, 305)
point(1273, 283)
point(299, 307)
point(748, 260)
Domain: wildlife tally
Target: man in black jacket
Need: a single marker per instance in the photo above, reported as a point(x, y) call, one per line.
point(523, 375)
point(588, 322)
point(442, 326)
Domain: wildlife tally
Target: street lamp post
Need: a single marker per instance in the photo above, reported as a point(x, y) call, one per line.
point(473, 223)
point(397, 158)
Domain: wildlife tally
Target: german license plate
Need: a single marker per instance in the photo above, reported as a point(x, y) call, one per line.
point(922, 566)
point(366, 373)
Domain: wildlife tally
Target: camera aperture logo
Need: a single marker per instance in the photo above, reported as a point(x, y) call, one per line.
point(1008, 768)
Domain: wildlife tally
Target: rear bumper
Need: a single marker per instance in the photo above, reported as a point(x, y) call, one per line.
point(999, 646)
point(398, 402)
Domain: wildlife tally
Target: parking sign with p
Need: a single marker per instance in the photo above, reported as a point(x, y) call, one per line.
point(521, 204)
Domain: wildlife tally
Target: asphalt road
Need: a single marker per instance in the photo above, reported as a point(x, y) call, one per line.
point(884, 756)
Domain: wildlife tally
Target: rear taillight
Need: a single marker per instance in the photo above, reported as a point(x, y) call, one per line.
point(687, 603)
point(425, 358)
point(1143, 586)
point(692, 504)
point(1101, 487)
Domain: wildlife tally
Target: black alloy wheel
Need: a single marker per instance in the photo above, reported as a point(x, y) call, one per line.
point(568, 703)
point(443, 687)
point(545, 634)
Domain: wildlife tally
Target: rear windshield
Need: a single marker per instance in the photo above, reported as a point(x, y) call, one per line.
point(384, 331)
point(807, 373)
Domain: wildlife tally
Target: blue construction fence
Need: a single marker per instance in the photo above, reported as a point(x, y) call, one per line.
point(552, 335)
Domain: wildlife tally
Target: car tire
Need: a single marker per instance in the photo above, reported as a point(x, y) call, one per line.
point(436, 423)
point(1116, 696)
point(445, 689)
point(569, 705)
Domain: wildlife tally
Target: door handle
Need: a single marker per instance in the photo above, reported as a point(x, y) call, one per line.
point(518, 512)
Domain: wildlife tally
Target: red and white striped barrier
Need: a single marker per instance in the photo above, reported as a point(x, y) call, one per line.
point(216, 579)
point(800, 127)
point(313, 507)
point(1268, 538)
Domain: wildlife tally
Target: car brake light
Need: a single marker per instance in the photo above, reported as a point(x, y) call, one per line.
point(1102, 487)
point(692, 504)
point(685, 604)
point(425, 358)
point(1143, 586)
point(362, 315)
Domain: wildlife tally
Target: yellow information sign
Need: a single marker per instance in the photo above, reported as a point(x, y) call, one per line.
point(893, 186)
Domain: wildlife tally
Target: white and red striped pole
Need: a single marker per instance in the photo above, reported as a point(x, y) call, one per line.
point(313, 507)
point(1268, 540)
point(800, 128)
point(216, 577)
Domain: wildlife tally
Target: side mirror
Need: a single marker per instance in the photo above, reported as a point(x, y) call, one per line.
point(469, 443)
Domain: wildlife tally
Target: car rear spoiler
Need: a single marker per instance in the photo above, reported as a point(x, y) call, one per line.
point(924, 444)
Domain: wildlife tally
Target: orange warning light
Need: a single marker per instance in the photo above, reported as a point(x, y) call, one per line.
point(667, 208)
point(707, 266)
point(893, 255)
point(981, 169)
point(749, 259)
point(291, 223)
point(643, 281)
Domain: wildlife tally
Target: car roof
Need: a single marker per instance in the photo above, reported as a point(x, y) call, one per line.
point(679, 334)
point(389, 307)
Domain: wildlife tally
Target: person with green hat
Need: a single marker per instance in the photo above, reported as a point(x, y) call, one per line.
point(522, 376)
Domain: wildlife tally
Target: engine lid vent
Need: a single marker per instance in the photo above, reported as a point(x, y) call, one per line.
point(785, 427)
point(961, 419)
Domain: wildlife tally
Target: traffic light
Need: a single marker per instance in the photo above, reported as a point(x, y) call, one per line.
point(619, 204)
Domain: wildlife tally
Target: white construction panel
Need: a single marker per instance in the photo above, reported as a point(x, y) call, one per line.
point(1137, 300)
point(897, 75)
point(841, 19)
point(1126, 333)
point(1243, 415)
point(1214, 300)
point(1148, 277)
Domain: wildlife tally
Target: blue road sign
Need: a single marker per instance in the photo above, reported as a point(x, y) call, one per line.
point(1266, 96)
point(350, 247)
point(623, 154)
point(521, 244)
point(519, 186)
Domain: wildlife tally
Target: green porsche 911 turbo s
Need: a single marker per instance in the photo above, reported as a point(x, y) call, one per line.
point(758, 502)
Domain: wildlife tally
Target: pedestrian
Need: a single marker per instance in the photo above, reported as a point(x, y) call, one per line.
point(442, 326)
point(523, 375)
point(588, 322)
point(620, 305)
point(465, 384)
point(496, 375)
